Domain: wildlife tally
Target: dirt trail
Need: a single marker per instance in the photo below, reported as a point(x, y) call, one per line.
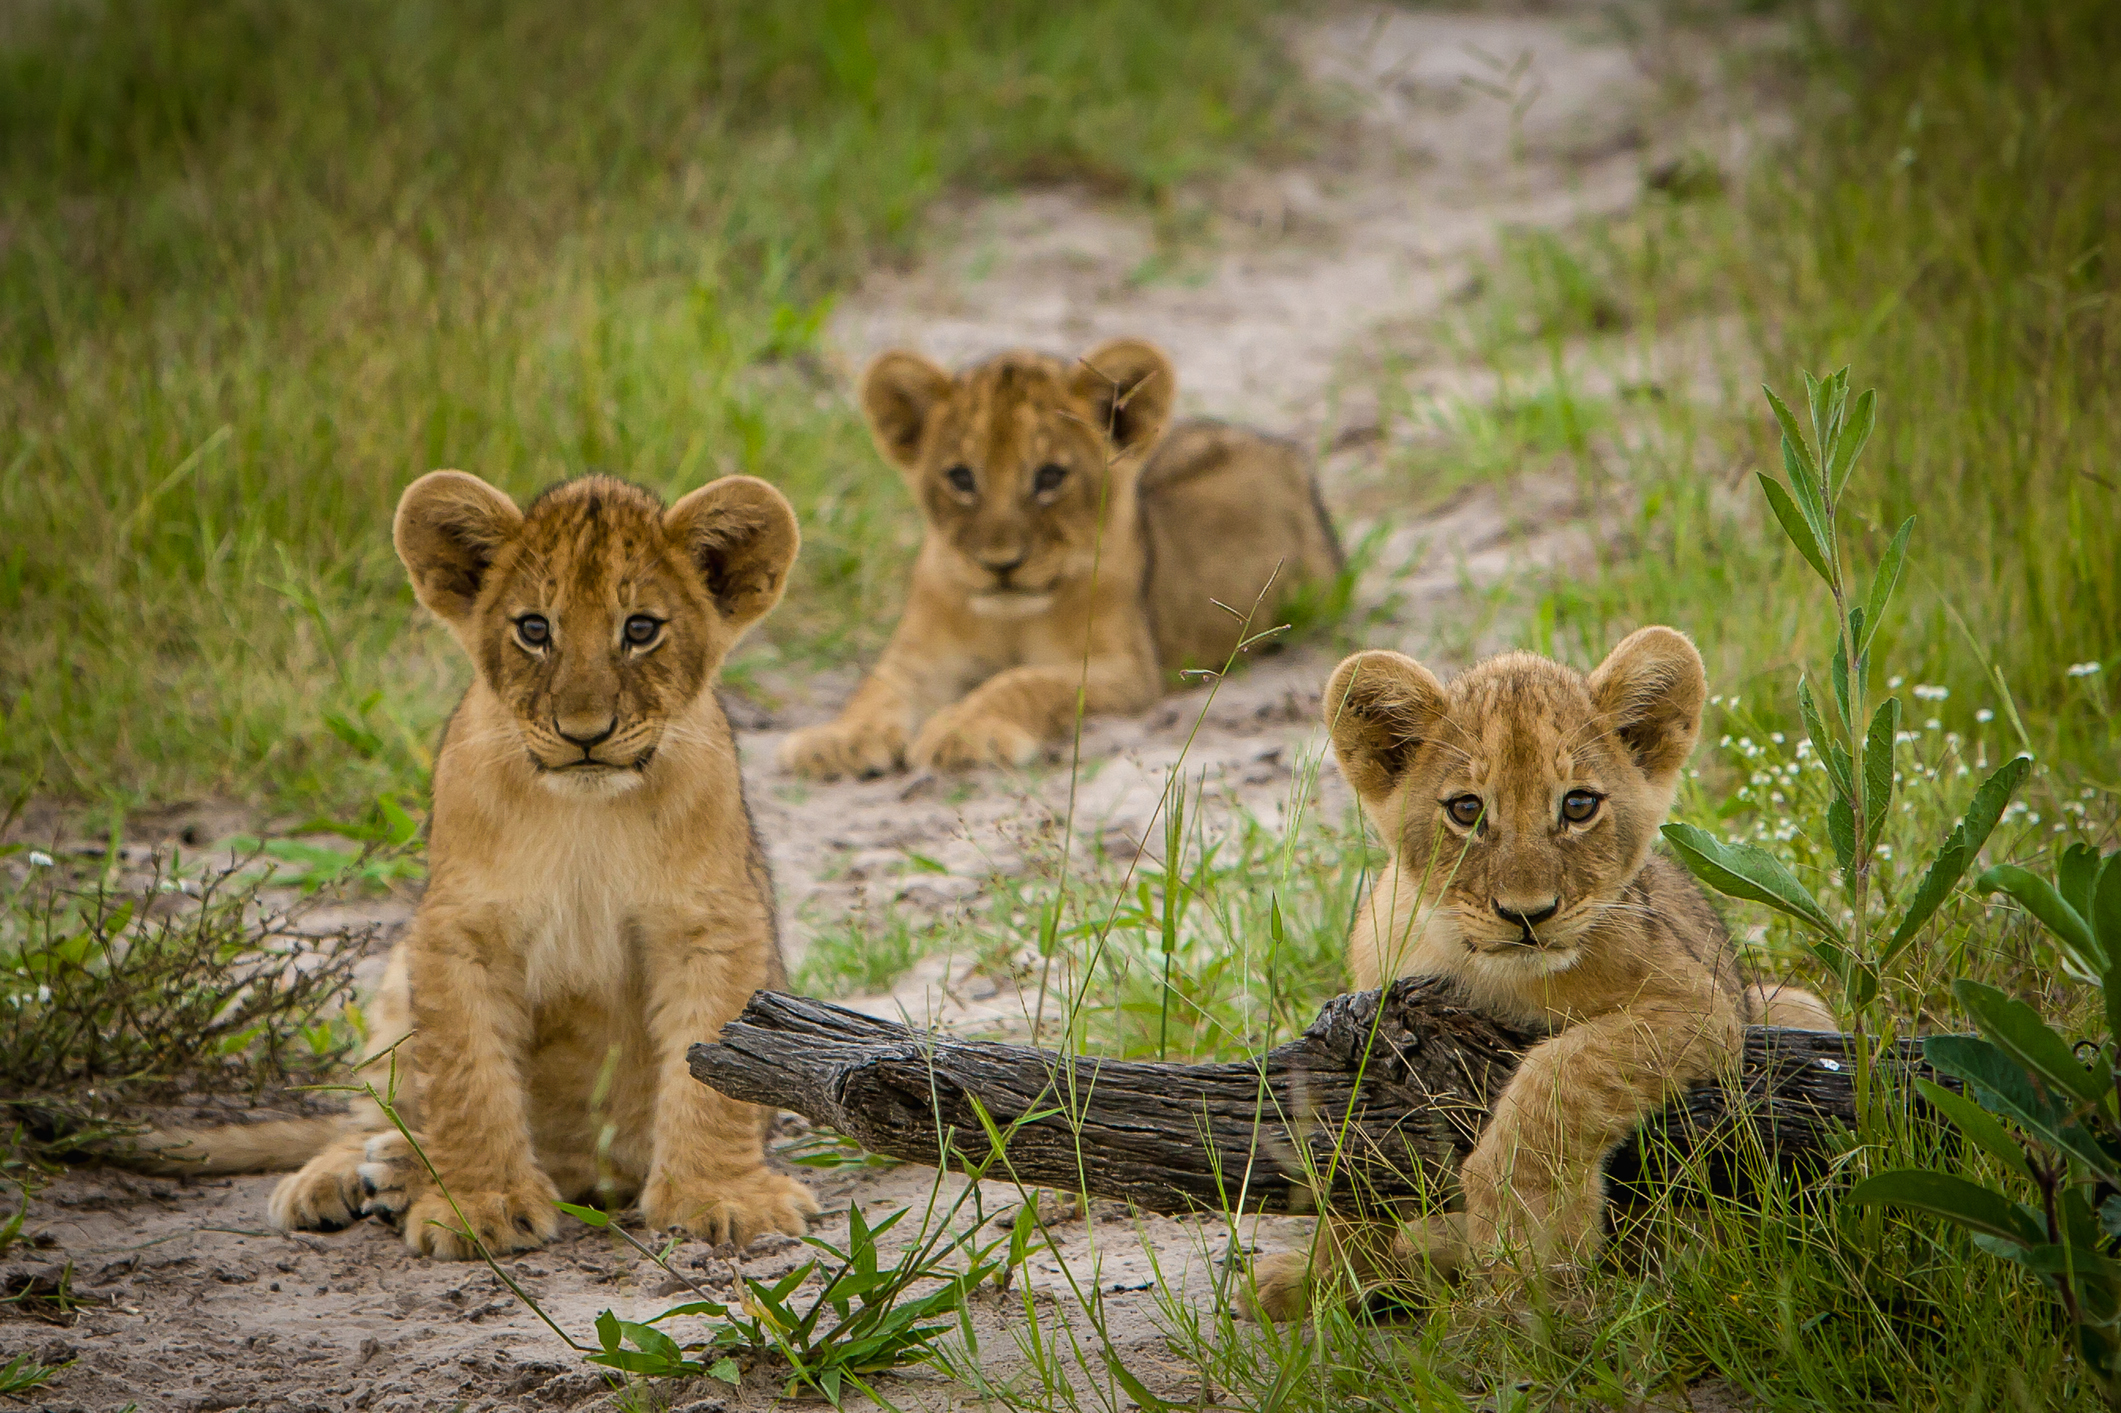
point(1312, 277)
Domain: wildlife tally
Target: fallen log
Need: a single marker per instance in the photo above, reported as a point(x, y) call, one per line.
point(1378, 1100)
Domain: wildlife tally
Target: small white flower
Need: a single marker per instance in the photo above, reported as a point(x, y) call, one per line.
point(2083, 669)
point(1892, 682)
point(1885, 851)
point(1775, 797)
point(1775, 736)
point(39, 859)
point(1716, 700)
point(1984, 715)
point(1933, 724)
point(44, 995)
point(1725, 743)
point(1930, 693)
point(2033, 818)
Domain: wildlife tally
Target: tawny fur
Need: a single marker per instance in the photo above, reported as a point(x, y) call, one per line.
point(1632, 971)
point(596, 898)
point(1103, 576)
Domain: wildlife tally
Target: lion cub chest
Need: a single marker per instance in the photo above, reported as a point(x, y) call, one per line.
point(577, 904)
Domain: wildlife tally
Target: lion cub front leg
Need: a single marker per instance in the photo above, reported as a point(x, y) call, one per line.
point(473, 1031)
point(1013, 715)
point(707, 1173)
point(1534, 1185)
point(924, 667)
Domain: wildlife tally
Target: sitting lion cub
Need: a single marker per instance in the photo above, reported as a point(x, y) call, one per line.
point(1522, 805)
point(1071, 544)
point(597, 901)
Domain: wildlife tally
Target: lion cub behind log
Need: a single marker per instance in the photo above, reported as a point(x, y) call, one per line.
point(1521, 805)
point(1071, 543)
point(596, 902)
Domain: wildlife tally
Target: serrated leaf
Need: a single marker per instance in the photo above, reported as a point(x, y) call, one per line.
point(1742, 871)
point(1855, 435)
point(2082, 955)
point(1884, 582)
point(1979, 1125)
point(1878, 769)
point(2017, 1029)
point(1795, 524)
point(1957, 853)
point(1971, 1205)
point(1835, 760)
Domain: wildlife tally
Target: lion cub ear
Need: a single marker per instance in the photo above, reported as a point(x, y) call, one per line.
point(1132, 386)
point(448, 529)
point(1651, 690)
point(1379, 707)
point(900, 392)
point(741, 537)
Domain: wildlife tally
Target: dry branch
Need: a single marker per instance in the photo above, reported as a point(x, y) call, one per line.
point(1368, 1104)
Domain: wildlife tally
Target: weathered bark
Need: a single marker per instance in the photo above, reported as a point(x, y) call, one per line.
point(1378, 1100)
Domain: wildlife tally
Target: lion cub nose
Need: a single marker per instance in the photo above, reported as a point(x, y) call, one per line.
point(584, 731)
point(1526, 915)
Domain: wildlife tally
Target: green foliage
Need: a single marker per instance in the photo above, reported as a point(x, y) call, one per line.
point(115, 992)
point(22, 1374)
point(2047, 1112)
point(1859, 762)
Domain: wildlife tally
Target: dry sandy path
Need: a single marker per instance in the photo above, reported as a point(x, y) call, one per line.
point(1311, 277)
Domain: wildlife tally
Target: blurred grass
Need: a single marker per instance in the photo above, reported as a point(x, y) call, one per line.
point(263, 262)
point(1943, 220)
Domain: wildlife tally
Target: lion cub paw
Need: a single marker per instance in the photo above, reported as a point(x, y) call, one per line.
point(730, 1209)
point(857, 748)
point(520, 1218)
point(323, 1195)
point(1279, 1288)
point(391, 1178)
point(962, 740)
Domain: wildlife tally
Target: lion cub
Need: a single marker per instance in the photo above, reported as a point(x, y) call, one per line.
point(597, 900)
point(1071, 544)
point(1521, 805)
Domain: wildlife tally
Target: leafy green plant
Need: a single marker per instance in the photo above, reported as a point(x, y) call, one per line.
point(112, 991)
point(385, 855)
point(2048, 1113)
point(863, 1320)
point(22, 1374)
point(1854, 741)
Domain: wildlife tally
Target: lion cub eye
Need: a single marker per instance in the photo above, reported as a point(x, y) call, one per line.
point(1464, 811)
point(960, 479)
point(1049, 478)
point(534, 631)
point(1578, 806)
point(641, 629)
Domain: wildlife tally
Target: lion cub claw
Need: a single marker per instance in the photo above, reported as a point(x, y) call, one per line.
point(855, 748)
point(518, 1218)
point(956, 739)
point(736, 1210)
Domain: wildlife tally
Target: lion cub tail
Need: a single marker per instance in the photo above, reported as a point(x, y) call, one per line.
point(271, 1146)
point(1789, 1007)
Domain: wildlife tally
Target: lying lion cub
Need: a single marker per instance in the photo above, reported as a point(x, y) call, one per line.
point(1522, 805)
point(596, 896)
point(1070, 544)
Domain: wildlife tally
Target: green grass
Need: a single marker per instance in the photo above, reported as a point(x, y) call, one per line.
point(265, 262)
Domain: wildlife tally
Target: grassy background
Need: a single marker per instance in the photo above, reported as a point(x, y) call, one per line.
point(265, 261)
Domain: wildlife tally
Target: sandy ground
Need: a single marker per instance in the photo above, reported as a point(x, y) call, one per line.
point(1309, 282)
